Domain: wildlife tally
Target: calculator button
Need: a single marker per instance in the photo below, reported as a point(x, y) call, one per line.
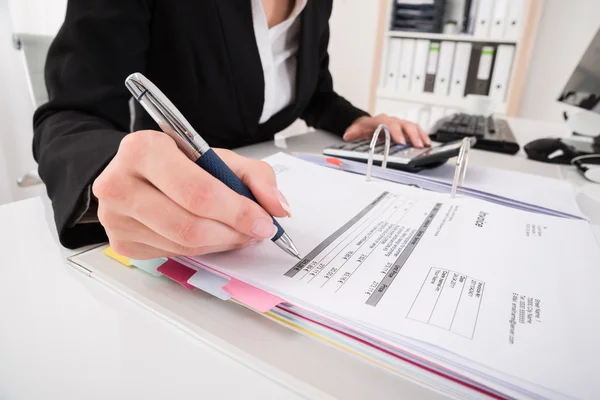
point(352, 146)
point(363, 148)
point(397, 148)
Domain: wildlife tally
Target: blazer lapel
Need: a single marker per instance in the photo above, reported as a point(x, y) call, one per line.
point(244, 66)
point(307, 60)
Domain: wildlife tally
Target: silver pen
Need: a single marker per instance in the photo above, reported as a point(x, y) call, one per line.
point(170, 121)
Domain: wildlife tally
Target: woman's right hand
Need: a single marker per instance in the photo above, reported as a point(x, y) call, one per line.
point(153, 201)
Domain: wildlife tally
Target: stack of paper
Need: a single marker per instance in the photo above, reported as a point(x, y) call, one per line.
point(513, 189)
point(462, 295)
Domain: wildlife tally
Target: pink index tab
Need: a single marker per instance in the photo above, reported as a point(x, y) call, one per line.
point(177, 272)
point(251, 296)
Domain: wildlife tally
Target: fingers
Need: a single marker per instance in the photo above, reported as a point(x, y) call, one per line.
point(400, 130)
point(157, 212)
point(396, 131)
point(138, 251)
point(154, 202)
point(126, 229)
point(195, 190)
point(360, 128)
point(424, 136)
point(412, 131)
point(142, 251)
point(260, 179)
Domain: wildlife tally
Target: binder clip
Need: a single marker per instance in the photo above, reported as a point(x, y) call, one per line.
point(461, 165)
point(372, 148)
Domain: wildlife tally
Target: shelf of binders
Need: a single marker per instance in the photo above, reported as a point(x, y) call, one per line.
point(444, 72)
point(488, 57)
point(447, 36)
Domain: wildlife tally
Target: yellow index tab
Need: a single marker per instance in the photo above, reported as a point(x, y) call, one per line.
point(122, 259)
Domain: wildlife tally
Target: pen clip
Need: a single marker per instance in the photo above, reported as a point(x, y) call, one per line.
point(166, 115)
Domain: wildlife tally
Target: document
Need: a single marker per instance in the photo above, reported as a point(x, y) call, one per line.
point(554, 194)
point(496, 287)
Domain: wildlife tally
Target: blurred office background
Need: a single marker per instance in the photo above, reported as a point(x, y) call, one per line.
point(545, 39)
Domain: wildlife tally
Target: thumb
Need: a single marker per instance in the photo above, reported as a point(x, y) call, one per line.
point(355, 131)
point(260, 179)
point(359, 129)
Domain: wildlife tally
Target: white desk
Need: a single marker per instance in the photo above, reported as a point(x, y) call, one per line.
point(64, 335)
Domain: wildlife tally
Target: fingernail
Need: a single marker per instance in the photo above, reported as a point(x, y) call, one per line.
point(263, 228)
point(284, 203)
point(419, 144)
point(402, 140)
point(346, 135)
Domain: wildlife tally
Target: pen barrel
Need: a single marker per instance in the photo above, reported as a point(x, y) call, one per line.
point(211, 163)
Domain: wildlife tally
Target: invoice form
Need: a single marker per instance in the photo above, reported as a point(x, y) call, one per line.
point(509, 290)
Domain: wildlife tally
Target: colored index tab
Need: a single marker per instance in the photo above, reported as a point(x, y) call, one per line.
point(251, 296)
point(122, 259)
point(150, 266)
point(177, 272)
point(334, 161)
point(211, 283)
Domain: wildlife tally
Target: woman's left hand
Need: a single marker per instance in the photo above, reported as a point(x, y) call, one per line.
point(400, 130)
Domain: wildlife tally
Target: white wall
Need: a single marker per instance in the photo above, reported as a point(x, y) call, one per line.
point(353, 27)
point(565, 29)
point(353, 34)
point(16, 111)
point(42, 17)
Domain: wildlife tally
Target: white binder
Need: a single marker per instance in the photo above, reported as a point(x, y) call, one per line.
point(502, 68)
point(406, 64)
point(393, 64)
point(432, 66)
point(460, 68)
point(484, 16)
point(515, 15)
point(419, 68)
point(499, 15)
point(444, 72)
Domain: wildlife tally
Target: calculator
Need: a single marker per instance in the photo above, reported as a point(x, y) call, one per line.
point(401, 156)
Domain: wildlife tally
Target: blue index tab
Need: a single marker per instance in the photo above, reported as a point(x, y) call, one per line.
point(210, 283)
point(149, 266)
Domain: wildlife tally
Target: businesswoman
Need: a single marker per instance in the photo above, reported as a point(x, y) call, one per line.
point(239, 70)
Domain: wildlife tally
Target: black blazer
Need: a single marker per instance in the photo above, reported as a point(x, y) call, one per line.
point(203, 56)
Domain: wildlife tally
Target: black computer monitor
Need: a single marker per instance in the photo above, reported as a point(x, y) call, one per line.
point(583, 87)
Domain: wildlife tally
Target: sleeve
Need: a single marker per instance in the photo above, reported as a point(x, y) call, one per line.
point(78, 131)
point(328, 110)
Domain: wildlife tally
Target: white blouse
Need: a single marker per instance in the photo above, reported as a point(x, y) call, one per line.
point(277, 47)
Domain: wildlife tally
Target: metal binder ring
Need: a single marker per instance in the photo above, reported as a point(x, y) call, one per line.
point(372, 148)
point(461, 166)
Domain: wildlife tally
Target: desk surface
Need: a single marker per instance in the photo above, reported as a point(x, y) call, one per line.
point(67, 336)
